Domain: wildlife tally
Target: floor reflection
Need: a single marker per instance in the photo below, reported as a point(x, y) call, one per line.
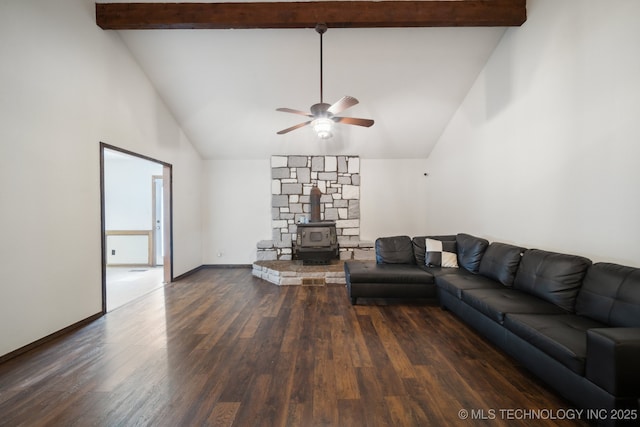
point(125, 284)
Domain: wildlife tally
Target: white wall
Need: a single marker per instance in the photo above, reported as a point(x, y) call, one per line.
point(128, 192)
point(237, 204)
point(66, 85)
point(544, 151)
point(236, 210)
point(393, 198)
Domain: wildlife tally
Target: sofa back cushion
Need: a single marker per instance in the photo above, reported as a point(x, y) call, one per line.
point(470, 251)
point(394, 250)
point(610, 294)
point(500, 262)
point(551, 276)
point(419, 249)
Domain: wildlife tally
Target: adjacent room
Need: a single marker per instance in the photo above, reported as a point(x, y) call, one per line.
point(134, 233)
point(341, 206)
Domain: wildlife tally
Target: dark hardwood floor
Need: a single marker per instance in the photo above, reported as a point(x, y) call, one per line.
point(222, 348)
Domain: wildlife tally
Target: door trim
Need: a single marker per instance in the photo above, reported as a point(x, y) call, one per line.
point(167, 175)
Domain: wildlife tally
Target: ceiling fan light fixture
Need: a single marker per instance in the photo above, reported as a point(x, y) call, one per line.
point(323, 115)
point(322, 127)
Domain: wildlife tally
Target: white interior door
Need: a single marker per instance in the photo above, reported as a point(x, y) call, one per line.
point(158, 226)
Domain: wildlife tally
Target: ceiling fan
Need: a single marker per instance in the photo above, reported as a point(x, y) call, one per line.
point(323, 115)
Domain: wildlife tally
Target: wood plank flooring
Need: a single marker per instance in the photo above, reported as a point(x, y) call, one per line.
point(223, 348)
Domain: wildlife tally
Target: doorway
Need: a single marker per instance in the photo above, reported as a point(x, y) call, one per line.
point(136, 225)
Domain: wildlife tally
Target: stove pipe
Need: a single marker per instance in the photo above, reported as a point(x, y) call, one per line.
point(315, 204)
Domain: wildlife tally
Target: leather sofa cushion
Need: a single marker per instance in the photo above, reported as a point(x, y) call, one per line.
point(500, 262)
point(552, 276)
point(442, 271)
point(496, 303)
point(464, 281)
point(419, 249)
point(369, 272)
point(610, 294)
point(561, 336)
point(394, 250)
point(470, 251)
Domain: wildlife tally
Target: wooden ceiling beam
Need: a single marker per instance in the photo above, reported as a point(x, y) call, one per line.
point(336, 14)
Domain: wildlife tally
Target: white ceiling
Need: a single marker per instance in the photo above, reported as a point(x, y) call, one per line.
point(223, 86)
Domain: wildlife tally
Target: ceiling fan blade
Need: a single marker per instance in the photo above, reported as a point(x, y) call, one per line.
point(287, 130)
point(289, 110)
point(353, 121)
point(342, 104)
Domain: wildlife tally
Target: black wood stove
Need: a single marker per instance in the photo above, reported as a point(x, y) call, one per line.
point(316, 243)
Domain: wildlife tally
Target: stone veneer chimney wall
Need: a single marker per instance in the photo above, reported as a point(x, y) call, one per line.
point(292, 177)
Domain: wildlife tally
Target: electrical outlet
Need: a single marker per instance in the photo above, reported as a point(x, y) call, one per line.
point(113, 251)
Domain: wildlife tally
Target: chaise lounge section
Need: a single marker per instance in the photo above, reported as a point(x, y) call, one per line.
point(574, 324)
point(394, 274)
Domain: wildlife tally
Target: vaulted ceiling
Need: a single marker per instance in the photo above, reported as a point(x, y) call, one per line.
point(224, 84)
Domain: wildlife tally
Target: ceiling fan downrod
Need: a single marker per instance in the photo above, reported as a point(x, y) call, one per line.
point(321, 29)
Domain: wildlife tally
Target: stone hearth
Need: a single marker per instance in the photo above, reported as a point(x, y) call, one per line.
point(295, 273)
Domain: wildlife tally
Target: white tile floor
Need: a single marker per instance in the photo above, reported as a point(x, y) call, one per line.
point(125, 284)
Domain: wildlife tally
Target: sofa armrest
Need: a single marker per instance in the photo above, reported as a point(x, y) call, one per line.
point(612, 360)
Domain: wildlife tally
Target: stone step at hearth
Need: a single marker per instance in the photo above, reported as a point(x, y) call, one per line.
point(294, 273)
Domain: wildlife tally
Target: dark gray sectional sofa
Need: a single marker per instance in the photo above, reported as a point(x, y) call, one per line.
point(574, 324)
